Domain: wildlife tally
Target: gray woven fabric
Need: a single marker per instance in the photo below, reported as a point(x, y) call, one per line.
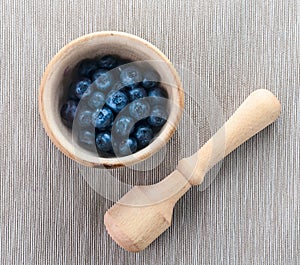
point(248, 215)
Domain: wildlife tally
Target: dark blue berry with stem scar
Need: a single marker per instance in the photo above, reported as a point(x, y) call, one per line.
point(102, 118)
point(87, 68)
point(157, 92)
point(151, 79)
point(85, 118)
point(130, 75)
point(82, 88)
point(123, 126)
point(102, 79)
point(158, 116)
point(144, 135)
point(127, 147)
point(68, 111)
point(108, 62)
point(96, 100)
point(86, 138)
point(137, 93)
point(103, 142)
point(139, 109)
point(117, 100)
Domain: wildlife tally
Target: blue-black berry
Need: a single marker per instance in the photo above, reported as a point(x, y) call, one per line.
point(117, 100)
point(82, 88)
point(123, 126)
point(158, 116)
point(103, 118)
point(96, 100)
point(68, 111)
point(87, 68)
point(137, 93)
point(151, 79)
point(84, 118)
point(139, 109)
point(130, 75)
point(102, 79)
point(127, 147)
point(157, 92)
point(143, 135)
point(86, 138)
point(108, 62)
point(103, 142)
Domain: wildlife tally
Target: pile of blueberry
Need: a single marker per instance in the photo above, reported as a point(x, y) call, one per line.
point(115, 105)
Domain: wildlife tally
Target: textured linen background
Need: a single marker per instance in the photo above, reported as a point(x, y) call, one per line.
point(249, 214)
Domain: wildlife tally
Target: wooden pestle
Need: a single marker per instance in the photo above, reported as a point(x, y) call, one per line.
point(135, 221)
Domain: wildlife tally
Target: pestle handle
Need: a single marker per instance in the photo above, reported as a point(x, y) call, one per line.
point(260, 109)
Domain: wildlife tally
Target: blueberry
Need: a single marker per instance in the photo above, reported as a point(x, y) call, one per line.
point(87, 68)
point(103, 142)
point(157, 92)
point(123, 126)
point(82, 88)
point(127, 147)
point(98, 73)
point(103, 118)
point(139, 109)
point(102, 79)
point(96, 100)
point(68, 111)
point(158, 116)
point(130, 75)
point(136, 93)
point(84, 118)
point(143, 135)
point(86, 139)
point(116, 100)
point(151, 79)
point(108, 62)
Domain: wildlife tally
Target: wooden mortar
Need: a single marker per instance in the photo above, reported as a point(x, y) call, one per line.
point(58, 73)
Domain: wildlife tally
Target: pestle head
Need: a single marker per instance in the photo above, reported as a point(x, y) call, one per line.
point(145, 212)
